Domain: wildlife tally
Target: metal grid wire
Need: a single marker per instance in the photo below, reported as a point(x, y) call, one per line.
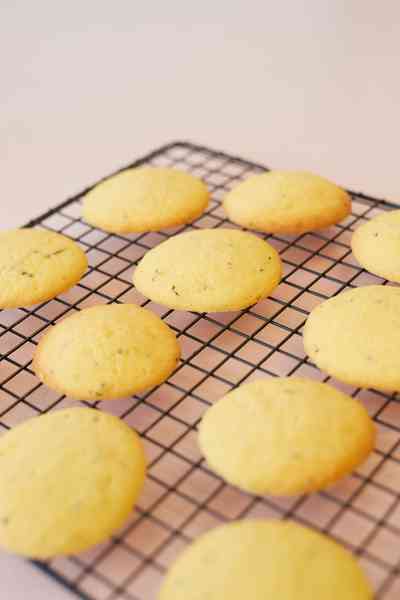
point(182, 498)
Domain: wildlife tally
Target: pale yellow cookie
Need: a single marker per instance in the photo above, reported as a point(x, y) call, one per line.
point(376, 245)
point(68, 480)
point(37, 265)
point(145, 199)
point(285, 436)
point(287, 202)
point(209, 270)
point(107, 352)
point(265, 560)
point(355, 337)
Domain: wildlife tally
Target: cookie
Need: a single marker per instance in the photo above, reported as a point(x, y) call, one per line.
point(68, 480)
point(37, 265)
point(145, 199)
point(287, 202)
point(355, 337)
point(260, 560)
point(209, 270)
point(106, 352)
point(376, 245)
point(285, 436)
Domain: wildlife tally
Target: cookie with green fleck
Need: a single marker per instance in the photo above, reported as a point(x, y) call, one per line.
point(376, 245)
point(257, 559)
point(287, 202)
point(145, 199)
point(355, 337)
point(285, 436)
point(209, 270)
point(37, 265)
point(68, 479)
point(106, 352)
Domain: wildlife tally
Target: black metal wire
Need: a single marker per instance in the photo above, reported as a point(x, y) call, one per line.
point(216, 353)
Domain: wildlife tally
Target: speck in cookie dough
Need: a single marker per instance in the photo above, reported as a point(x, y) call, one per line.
point(289, 202)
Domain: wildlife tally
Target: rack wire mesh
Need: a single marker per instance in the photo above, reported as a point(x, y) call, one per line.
point(182, 498)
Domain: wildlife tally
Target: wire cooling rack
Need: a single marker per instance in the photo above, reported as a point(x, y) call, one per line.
point(182, 498)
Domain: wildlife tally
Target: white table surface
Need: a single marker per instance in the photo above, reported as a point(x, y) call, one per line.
point(87, 86)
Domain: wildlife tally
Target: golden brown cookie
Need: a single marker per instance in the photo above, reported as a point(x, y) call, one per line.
point(265, 560)
point(285, 436)
point(68, 480)
point(145, 199)
point(209, 270)
point(287, 202)
point(376, 245)
point(37, 265)
point(107, 352)
point(355, 337)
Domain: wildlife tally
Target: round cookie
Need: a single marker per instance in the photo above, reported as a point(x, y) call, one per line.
point(37, 265)
point(285, 436)
point(376, 245)
point(68, 480)
point(209, 270)
point(106, 352)
point(260, 560)
point(145, 199)
point(287, 202)
point(355, 337)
